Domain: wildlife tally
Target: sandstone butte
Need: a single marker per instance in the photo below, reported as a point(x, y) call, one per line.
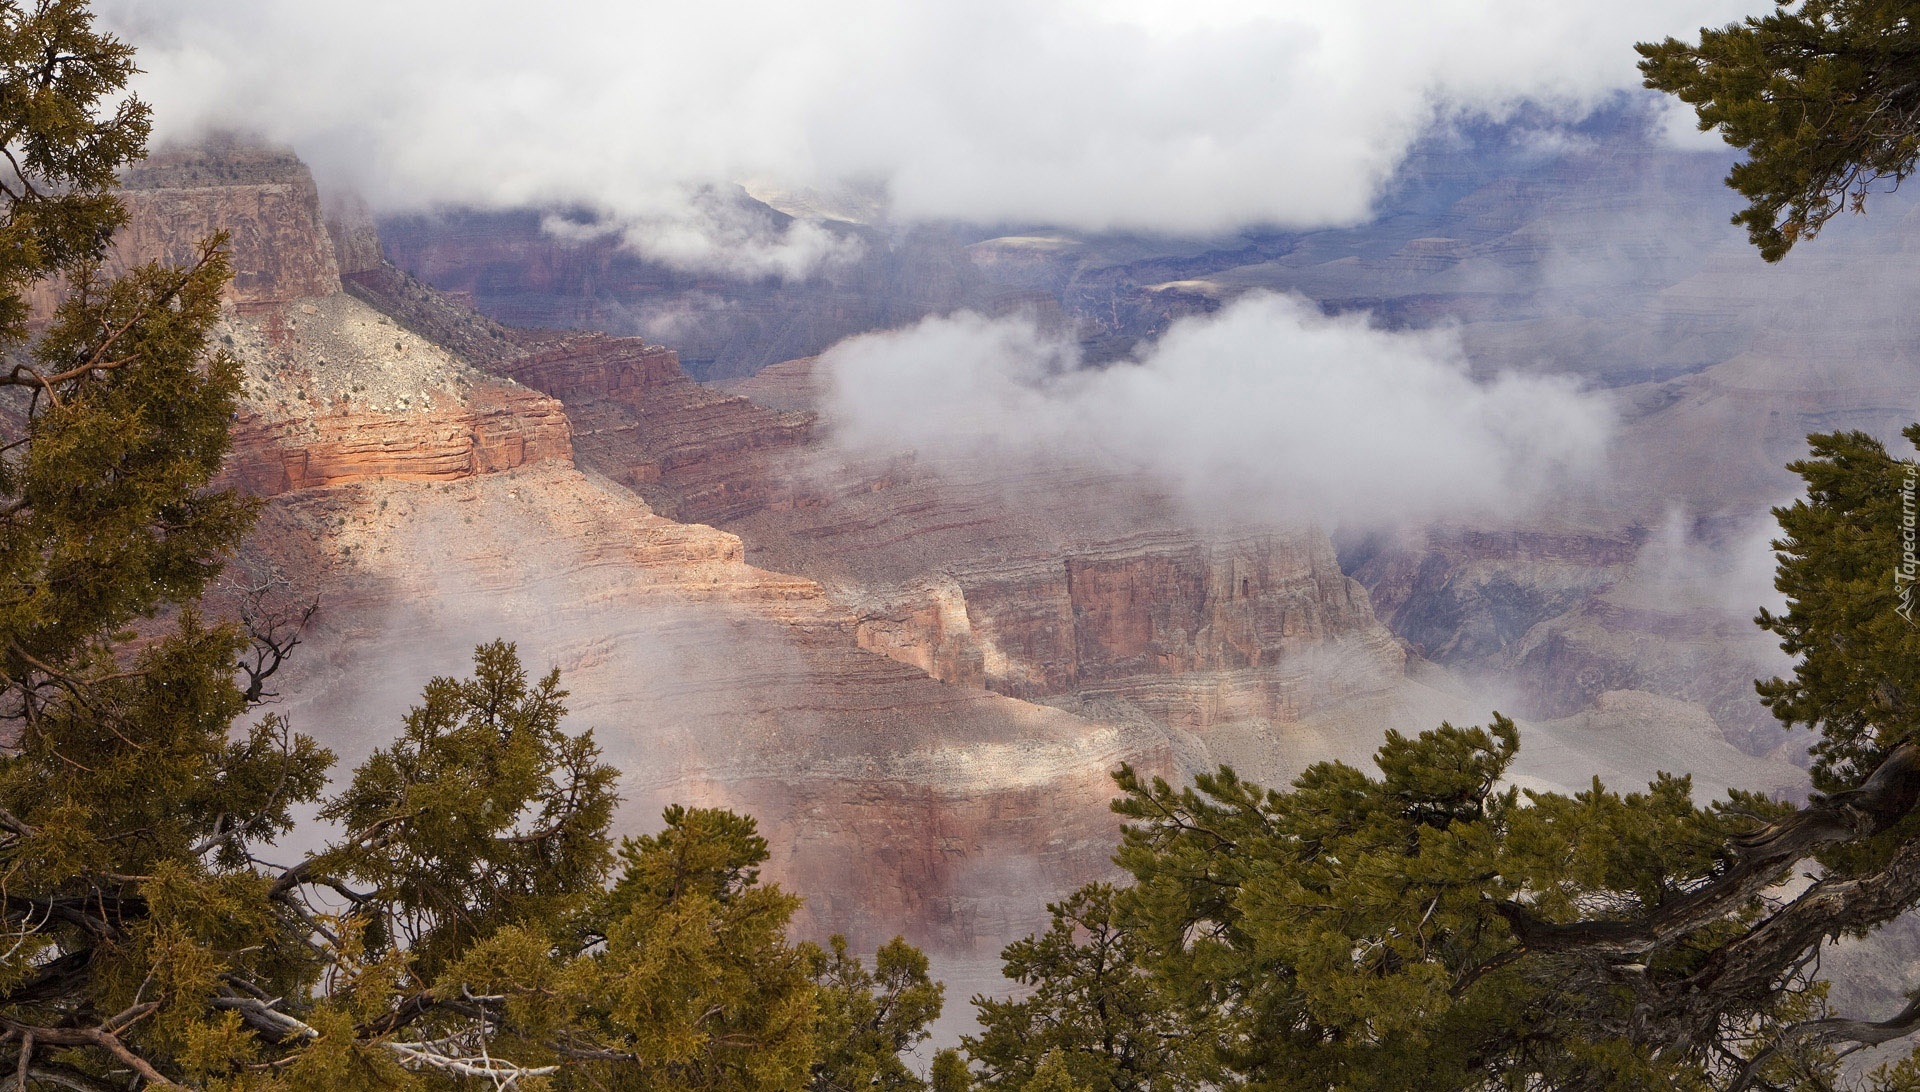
point(918, 683)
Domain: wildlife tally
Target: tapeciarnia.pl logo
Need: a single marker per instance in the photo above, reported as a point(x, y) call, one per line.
point(1907, 573)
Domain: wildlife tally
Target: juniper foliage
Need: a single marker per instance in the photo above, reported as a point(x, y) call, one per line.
point(1824, 97)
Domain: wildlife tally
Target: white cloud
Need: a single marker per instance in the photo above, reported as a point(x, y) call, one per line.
point(1731, 571)
point(1089, 114)
point(1679, 126)
point(1265, 410)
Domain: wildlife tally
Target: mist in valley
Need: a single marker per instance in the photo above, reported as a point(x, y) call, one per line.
point(1449, 320)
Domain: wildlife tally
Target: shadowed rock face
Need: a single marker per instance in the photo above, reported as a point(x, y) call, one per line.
point(1557, 618)
point(1463, 595)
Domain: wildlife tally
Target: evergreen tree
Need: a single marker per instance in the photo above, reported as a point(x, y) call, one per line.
point(1110, 1026)
point(1852, 598)
point(870, 1019)
point(949, 1072)
point(126, 806)
point(697, 981)
point(1823, 95)
point(1052, 1075)
point(1425, 927)
point(483, 812)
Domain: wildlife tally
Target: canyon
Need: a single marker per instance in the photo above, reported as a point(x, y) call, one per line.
point(918, 679)
point(1600, 255)
point(428, 505)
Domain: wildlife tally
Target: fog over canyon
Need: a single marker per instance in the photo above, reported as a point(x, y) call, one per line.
point(890, 472)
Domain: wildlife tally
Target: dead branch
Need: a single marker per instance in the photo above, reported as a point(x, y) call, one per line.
point(105, 1036)
point(276, 1026)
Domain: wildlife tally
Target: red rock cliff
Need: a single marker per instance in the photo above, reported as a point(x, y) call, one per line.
point(263, 197)
point(336, 394)
point(429, 506)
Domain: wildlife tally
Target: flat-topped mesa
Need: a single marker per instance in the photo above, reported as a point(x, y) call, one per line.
point(263, 197)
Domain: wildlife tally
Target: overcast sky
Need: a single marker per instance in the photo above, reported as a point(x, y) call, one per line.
point(1167, 115)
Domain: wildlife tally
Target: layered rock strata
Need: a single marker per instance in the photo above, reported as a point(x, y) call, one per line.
point(1065, 585)
point(895, 803)
point(430, 506)
point(1070, 584)
point(336, 394)
point(263, 198)
point(1606, 258)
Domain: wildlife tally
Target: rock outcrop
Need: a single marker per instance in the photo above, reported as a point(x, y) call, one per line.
point(695, 453)
point(355, 237)
point(337, 394)
point(1193, 631)
point(264, 198)
point(938, 619)
point(499, 428)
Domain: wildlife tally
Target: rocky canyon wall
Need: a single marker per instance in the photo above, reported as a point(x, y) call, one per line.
point(264, 198)
point(917, 681)
point(317, 413)
point(1073, 585)
point(429, 506)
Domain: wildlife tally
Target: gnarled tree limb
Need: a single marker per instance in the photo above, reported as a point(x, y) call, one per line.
point(1762, 857)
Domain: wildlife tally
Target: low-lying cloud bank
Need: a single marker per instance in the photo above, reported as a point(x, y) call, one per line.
point(1088, 114)
point(1266, 410)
